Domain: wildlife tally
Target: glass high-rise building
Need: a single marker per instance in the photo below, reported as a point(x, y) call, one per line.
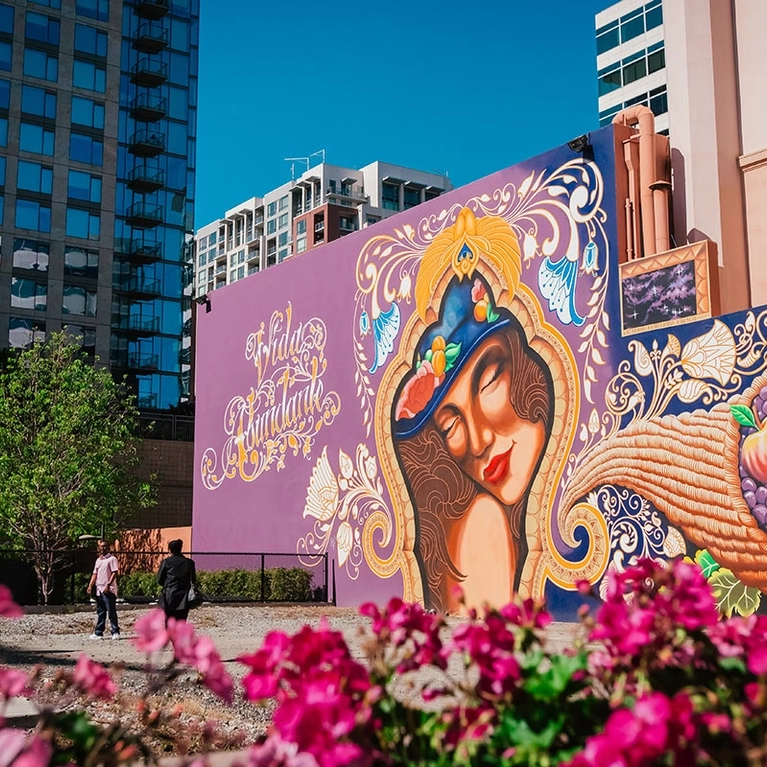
point(98, 103)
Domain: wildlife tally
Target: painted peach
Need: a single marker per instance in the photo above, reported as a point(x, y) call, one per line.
point(754, 455)
point(438, 362)
point(480, 311)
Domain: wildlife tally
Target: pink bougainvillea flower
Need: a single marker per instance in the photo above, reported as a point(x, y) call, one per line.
point(92, 678)
point(200, 653)
point(19, 750)
point(261, 681)
point(151, 632)
point(12, 682)
point(8, 608)
point(417, 392)
point(275, 752)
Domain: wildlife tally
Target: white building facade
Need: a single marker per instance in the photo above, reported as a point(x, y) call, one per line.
point(326, 202)
point(631, 60)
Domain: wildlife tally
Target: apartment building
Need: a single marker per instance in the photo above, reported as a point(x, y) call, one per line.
point(631, 60)
point(98, 106)
point(326, 202)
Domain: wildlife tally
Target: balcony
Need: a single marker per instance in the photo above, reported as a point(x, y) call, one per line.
point(150, 38)
point(137, 325)
point(143, 215)
point(135, 361)
point(146, 401)
point(149, 73)
point(147, 108)
point(353, 192)
point(146, 143)
point(319, 226)
point(221, 269)
point(345, 225)
point(146, 180)
point(139, 287)
point(152, 9)
point(144, 251)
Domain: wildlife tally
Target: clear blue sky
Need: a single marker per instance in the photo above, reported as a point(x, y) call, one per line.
point(463, 87)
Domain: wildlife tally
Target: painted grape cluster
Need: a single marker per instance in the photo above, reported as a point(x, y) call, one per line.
point(753, 455)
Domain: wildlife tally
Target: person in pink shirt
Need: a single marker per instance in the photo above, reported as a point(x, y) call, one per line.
point(104, 578)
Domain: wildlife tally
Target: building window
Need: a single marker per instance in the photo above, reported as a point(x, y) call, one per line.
point(23, 333)
point(301, 244)
point(390, 194)
point(653, 14)
point(659, 100)
point(656, 61)
point(35, 138)
point(90, 40)
point(56, 4)
point(609, 79)
point(606, 116)
point(241, 257)
point(30, 254)
point(3, 131)
point(87, 112)
point(6, 18)
point(79, 301)
point(6, 56)
point(83, 224)
point(282, 239)
point(38, 101)
point(271, 210)
point(34, 177)
point(608, 37)
point(84, 337)
point(282, 221)
point(81, 263)
point(29, 294)
point(93, 9)
point(632, 25)
point(83, 186)
point(240, 272)
point(301, 227)
point(89, 76)
point(412, 197)
point(42, 29)
point(86, 149)
point(233, 275)
point(635, 70)
point(31, 214)
point(41, 64)
point(212, 240)
point(201, 277)
point(202, 259)
point(271, 226)
point(5, 94)
point(284, 201)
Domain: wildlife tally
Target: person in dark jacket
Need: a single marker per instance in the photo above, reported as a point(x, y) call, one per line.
point(177, 573)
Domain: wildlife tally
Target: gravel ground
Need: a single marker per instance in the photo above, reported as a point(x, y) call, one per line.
point(53, 640)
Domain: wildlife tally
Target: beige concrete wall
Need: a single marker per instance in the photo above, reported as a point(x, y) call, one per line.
point(751, 33)
point(705, 136)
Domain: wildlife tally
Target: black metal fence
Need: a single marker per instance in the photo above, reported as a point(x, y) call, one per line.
point(221, 576)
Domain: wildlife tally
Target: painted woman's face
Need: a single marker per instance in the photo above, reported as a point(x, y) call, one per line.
point(482, 431)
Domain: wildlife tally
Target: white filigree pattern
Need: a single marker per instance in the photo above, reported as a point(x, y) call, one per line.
point(341, 503)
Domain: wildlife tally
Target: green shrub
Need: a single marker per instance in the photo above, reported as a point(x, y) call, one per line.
point(290, 585)
point(138, 585)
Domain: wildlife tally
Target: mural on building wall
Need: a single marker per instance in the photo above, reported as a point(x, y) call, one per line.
point(458, 406)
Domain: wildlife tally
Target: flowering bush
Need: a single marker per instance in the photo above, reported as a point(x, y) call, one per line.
point(659, 680)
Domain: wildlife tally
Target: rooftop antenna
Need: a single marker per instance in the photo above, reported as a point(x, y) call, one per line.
point(321, 153)
point(294, 160)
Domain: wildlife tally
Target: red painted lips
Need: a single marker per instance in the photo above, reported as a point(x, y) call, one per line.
point(497, 470)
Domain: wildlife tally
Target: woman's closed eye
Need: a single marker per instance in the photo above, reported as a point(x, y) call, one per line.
point(448, 422)
point(490, 376)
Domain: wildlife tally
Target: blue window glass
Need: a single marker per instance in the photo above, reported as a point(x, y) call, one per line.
point(35, 138)
point(42, 29)
point(79, 301)
point(87, 112)
point(632, 25)
point(34, 177)
point(2, 171)
point(81, 263)
point(93, 9)
point(3, 131)
point(6, 18)
point(2, 207)
point(90, 40)
point(83, 224)
point(31, 214)
point(38, 101)
point(86, 149)
point(41, 64)
point(5, 94)
point(23, 333)
point(653, 15)
point(83, 186)
point(88, 75)
point(6, 54)
point(607, 37)
point(29, 294)
point(48, 3)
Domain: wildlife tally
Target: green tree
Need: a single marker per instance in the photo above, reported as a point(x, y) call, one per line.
point(68, 446)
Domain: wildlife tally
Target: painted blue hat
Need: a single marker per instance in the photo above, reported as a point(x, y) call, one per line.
point(468, 315)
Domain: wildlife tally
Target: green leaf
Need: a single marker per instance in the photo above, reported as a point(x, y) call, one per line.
point(451, 353)
point(428, 355)
point(732, 595)
point(732, 664)
point(743, 415)
point(492, 315)
point(706, 562)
